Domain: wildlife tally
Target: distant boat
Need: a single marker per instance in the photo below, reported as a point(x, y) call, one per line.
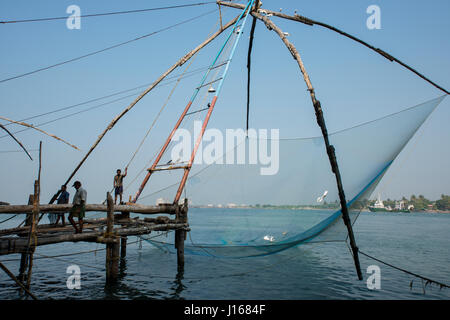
point(4, 203)
point(378, 206)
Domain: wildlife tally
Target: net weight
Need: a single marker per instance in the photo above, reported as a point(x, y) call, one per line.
point(245, 309)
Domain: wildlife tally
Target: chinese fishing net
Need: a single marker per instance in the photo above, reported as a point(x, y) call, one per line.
point(244, 205)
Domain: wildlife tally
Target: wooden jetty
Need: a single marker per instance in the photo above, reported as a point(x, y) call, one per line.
point(111, 230)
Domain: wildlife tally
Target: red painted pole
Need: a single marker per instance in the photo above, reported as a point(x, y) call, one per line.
point(194, 152)
point(163, 149)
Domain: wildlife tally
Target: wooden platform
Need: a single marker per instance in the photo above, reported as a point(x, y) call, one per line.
point(15, 240)
point(112, 230)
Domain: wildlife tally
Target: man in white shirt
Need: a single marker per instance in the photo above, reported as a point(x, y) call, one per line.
point(79, 207)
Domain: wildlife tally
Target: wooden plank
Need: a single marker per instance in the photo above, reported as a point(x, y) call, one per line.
point(24, 209)
point(18, 245)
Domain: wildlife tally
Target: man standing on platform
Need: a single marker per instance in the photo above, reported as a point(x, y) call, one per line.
point(118, 184)
point(79, 206)
point(62, 199)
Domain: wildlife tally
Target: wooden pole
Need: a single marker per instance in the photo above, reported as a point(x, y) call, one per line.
point(310, 22)
point(329, 148)
point(25, 209)
point(123, 246)
point(35, 216)
point(179, 245)
point(18, 142)
point(180, 234)
point(19, 283)
point(112, 247)
point(24, 256)
point(40, 130)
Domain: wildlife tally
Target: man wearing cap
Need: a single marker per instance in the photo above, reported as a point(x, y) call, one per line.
point(78, 208)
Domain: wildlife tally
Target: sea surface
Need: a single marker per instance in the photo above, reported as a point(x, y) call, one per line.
point(417, 242)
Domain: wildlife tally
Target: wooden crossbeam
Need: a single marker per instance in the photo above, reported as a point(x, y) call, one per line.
point(44, 208)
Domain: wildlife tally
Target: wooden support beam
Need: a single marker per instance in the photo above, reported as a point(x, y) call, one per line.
point(123, 246)
point(180, 234)
point(112, 261)
point(24, 209)
point(19, 245)
point(179, 245)
point(24, 256)
point(167, 168)
point(17, 281)
point(329, 148)
point(112, 245)
point(310, 22)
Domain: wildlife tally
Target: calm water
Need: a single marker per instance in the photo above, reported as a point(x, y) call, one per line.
point(418, 242)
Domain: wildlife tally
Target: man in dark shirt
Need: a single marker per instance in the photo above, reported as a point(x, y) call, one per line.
point(62, 199)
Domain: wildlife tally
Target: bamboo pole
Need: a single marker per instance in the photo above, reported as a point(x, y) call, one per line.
point(40, 130)
point(179, 63)
point(123, 246)
point(110, 214)
point(19, 283)
point(35, 214)
point(24, 256)
point(329, 148)
point(112, 247)
point(15, 139)
point(310, 22)
point(249, 60)
point(180, 234)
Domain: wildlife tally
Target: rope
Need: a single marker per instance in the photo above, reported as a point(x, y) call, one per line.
point(107, 48)
point(93, 107)
point(15, 139)
point(161, 110)
point(9, 217)
point(106, 14)
point(428, 280)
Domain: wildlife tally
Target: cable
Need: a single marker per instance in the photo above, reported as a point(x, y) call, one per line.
point(428, 280)
point(13, 215)
point(11, 151)
point(188, 74)
point(108, 13)
point(191, 73)
point(107, 48)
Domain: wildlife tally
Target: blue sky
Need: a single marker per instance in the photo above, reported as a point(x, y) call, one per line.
point(354, 84)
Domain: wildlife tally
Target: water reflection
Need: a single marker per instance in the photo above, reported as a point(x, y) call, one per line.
point(178, 286)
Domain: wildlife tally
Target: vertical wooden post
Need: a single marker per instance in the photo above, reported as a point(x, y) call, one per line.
point(123, 246)
point(24, 256)
point(34, 220)
point(32, 235)
point(180, 234)
point(329, 148)
point(112, 246)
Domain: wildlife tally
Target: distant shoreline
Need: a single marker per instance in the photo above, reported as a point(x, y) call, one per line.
point(306, 208)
